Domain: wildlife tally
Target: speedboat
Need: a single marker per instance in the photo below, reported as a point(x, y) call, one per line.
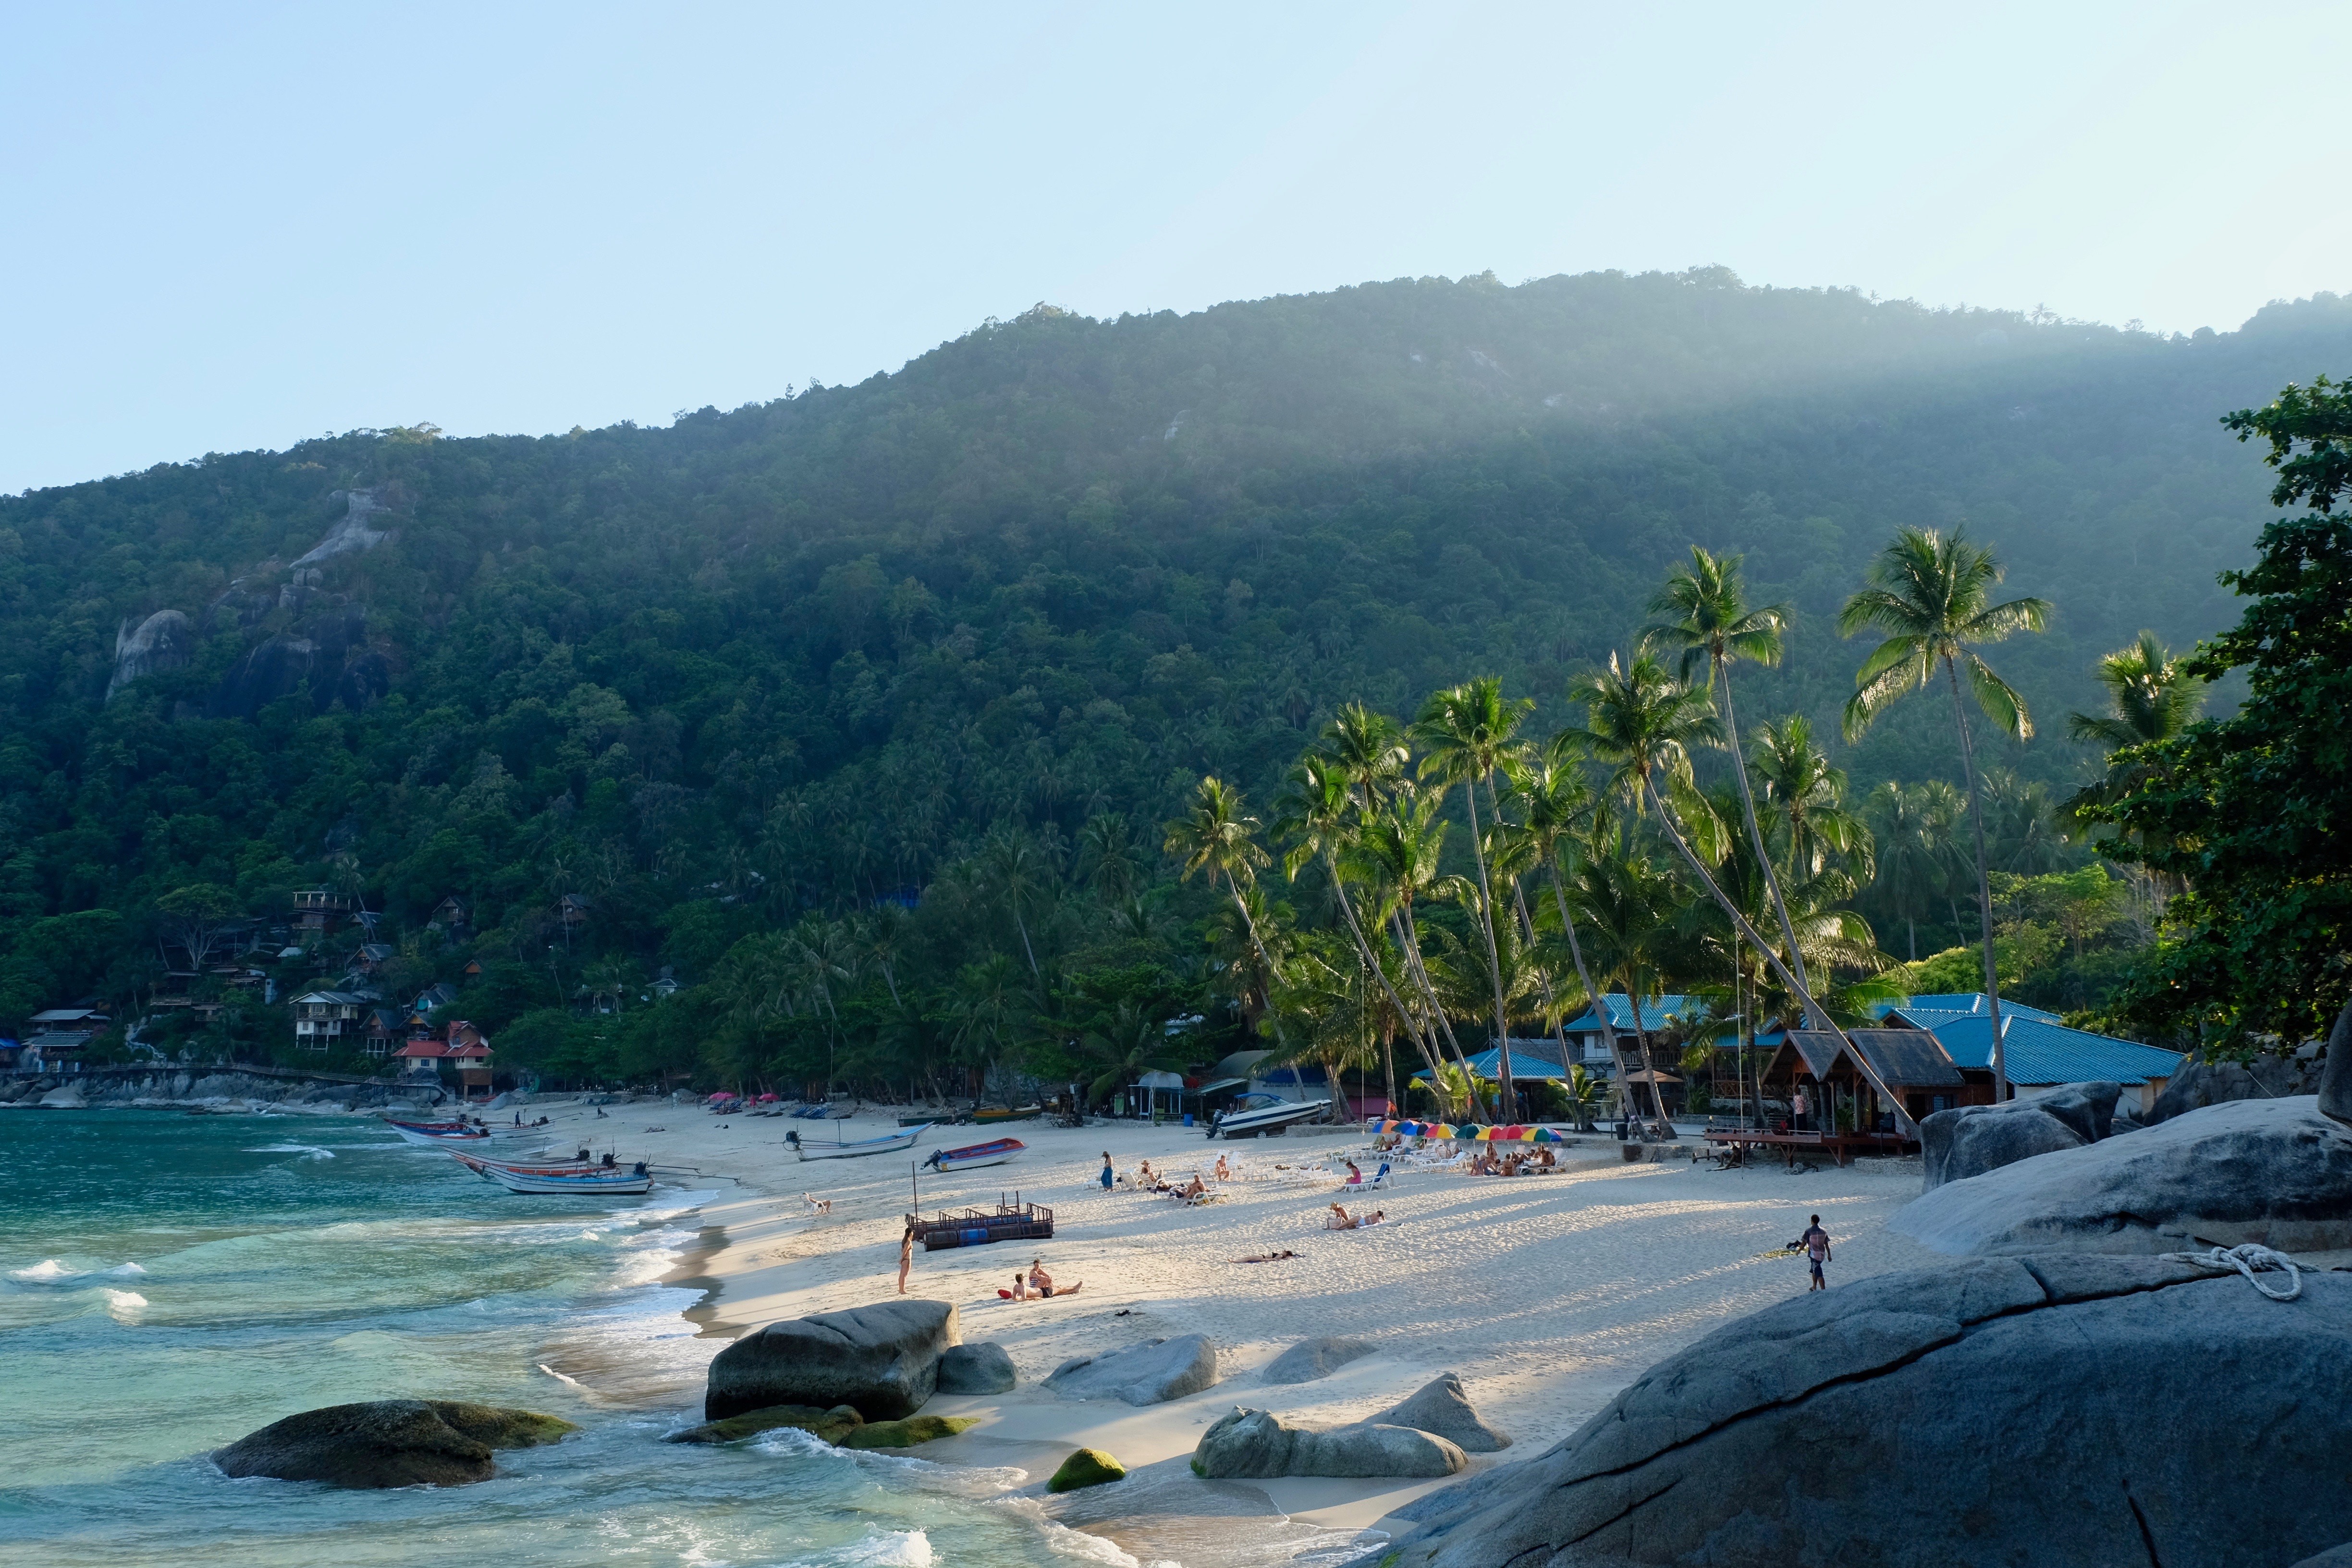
point(1255, 1115)
point(439, 1134)
point(888, 1143)
point(973, 1155)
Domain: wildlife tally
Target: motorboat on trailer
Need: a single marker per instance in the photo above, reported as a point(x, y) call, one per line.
point(971, 1156)
point(888, 1144)
point(1256, 1115)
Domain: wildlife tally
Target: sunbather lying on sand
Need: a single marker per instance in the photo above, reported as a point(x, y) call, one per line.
point(1372, 1218)
point(1267, 1258)
point(1338, 1219)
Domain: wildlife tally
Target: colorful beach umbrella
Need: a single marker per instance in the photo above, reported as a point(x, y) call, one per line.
point(1543, 1135)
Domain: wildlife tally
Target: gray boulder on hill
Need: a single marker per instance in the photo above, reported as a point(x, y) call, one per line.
point(1149, 1373)
point(1441, 1407)
point(389, 1443)
point(985, 1368)
point(2276, 1172)
point(883, 1360)
point(1316, 1358)
point(1971, 1140)
point(1259, 1445)
point(2048, 1409)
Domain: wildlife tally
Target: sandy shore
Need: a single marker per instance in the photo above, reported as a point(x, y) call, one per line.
point(1547, 1295)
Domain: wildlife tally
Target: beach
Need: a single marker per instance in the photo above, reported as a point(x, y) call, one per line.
point(1545, 1294)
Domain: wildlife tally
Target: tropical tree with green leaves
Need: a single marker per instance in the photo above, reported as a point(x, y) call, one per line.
point(1806, 795)
point(1930, 594)
point(1218, 838)
point(1466, 732)
point(1396, 854)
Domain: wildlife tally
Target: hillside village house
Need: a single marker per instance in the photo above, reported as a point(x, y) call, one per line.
point(464, 1047)
point(317, 913)
point(57, 1038)
point(327, 1020)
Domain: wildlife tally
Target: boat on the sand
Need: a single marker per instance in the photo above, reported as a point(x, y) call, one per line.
point(886, 1144)
point(971, 1156)
point(1269, 1114)
point(1001, 1113)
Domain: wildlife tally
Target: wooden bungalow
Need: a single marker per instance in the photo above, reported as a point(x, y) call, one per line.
point(1844, 1111)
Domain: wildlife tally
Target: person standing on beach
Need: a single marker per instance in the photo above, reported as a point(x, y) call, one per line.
point(1816, 1243)
point(905, 1257)
point(1108, 1177)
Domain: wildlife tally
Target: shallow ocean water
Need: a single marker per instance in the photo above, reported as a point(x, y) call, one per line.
point(169, 1283)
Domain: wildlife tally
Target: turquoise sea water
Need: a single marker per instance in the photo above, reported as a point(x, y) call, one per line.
point(169, 1283)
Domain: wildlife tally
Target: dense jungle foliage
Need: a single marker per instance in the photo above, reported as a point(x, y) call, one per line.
point(861, 711)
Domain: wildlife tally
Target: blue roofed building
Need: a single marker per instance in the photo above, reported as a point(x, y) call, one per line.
point(1584, 1035)
point(2043, 1051)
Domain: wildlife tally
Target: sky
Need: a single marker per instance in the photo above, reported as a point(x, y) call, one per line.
point(239, 226)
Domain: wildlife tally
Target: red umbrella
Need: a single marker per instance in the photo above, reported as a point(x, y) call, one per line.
point(765, 1098)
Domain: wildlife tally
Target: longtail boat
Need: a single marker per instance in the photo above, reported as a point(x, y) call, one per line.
point(888, 1143)
point(971, 1156)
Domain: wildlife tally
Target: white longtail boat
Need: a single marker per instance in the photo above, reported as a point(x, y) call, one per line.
point(888, 1144)
point(971, 1156)
point(439, 1134)
point(594, 1181)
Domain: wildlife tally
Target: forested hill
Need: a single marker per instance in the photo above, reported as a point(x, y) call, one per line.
point(808, 651)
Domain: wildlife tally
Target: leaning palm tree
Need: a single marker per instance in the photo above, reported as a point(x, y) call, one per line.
point(1556, 805)
point(1395, 853)
point(1215, 838)
point(1370, 752)
point(1625, 906)
point(1712, 626)
point(1466, 732)
point(1931, 594)
point(1644, 720)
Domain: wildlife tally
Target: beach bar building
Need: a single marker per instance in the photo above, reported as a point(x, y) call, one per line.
point(1844, 1110)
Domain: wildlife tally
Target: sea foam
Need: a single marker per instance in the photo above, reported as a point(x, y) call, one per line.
point(47, 1271)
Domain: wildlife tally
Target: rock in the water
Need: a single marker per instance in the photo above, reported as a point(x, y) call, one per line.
point(2275, 1171)
point(906, 1434)
point(1256, 1444)
point(1147, 1374)
point(884, 1359)
point(67, 1097)
point(832, 1426)
point(2048, 1409)
point(1441, 1407)
point(1971, 1140)
point(1085, 1468)
point(1319, 1357)
point(389, 1443)
point(984, 1368)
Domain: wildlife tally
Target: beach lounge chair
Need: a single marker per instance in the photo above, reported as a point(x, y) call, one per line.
point(1380, 1180)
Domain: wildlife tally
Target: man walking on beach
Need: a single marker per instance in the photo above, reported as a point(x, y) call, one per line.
point(1816, 1243)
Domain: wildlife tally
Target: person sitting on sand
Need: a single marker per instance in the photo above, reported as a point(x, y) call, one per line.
point(1267, 1258)
point(1020, 1291)
point(1224, 1171)
point(1338, 1219)
point(1043, 1282)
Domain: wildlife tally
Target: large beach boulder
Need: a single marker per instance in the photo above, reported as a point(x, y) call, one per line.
point(2048, 1409)
point(1440, 1406)
point(883, 1360)
point(1257, 1444)
point(2335, 1074)
point(1971, 1140)
point(389, 1443)
point(2276, 1172)
point(1149, 1373)
point(984, 1368)
point(1316, 1358)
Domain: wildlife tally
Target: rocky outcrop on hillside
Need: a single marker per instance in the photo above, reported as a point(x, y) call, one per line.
point(212, 1090)
point(161, 642)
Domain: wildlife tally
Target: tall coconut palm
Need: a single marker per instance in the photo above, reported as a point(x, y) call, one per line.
point(2149, 698)
point(1644, 720)
point(1216, 837)
point(1466, 733)
point(1931, 594)
point(1315, 814)
point(1713, 626)
point(1370, 750)
point(1807, 799)
point(1911, 849)
point(1626, 907)
point(1556, 806)
point(1396, 853)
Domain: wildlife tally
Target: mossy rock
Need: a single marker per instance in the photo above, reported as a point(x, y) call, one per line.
point(1085, 1468)
point(833, 1425)
point(907, 1433)
point(496, 1426)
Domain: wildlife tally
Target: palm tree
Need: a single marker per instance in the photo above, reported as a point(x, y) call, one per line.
point(1912, 851)
point(1215, 838)
point(1396, 853)
point(1314, 814)
point(1465, 733)
point(1625, 906)
point(1644, 720)
point(2149, 698)
point(1370, 749)
point(1714, 626)
point(1015, 872)
point(1556, 803)
point(1807, 795)
point(1107, 851)
point(1931, 594)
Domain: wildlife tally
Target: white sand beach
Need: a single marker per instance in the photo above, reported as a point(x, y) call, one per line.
point(1545, 1294)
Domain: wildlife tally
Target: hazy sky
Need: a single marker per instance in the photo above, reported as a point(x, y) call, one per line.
point(230, 225)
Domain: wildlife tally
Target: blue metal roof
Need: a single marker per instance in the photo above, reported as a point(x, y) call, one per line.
point(1488, 1065)
point(1655, 1011)
point(2041, 1050)
point(1964, 1002)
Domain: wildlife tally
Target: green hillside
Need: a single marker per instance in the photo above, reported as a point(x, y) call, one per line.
point(804, 655)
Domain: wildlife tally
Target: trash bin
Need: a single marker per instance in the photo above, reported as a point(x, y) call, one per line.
point(1188, 1119)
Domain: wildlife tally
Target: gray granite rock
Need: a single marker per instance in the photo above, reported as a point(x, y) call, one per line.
point(1999, 1411)
point(1441, 1407)
point(1971, 1140)
point(2275, 1170)
point(1257, 1444)
point(2335, 1074)
point(389, 1443)
point(883, 1360)
point(1149, 1373)
point(984, 1368)
point(1319, 1357)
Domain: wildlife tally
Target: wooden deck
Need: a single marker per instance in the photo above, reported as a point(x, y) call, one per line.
point(1845, 1145)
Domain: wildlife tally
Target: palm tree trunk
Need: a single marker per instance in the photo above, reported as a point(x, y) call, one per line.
point(1804, 996)
point(1371, 962)
point(1493, 958)
point(1984, 888)
point(1649, 1063)
point(1583, 975)
point(1250, 925)
point(1755, 832)
point(1411, 942)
